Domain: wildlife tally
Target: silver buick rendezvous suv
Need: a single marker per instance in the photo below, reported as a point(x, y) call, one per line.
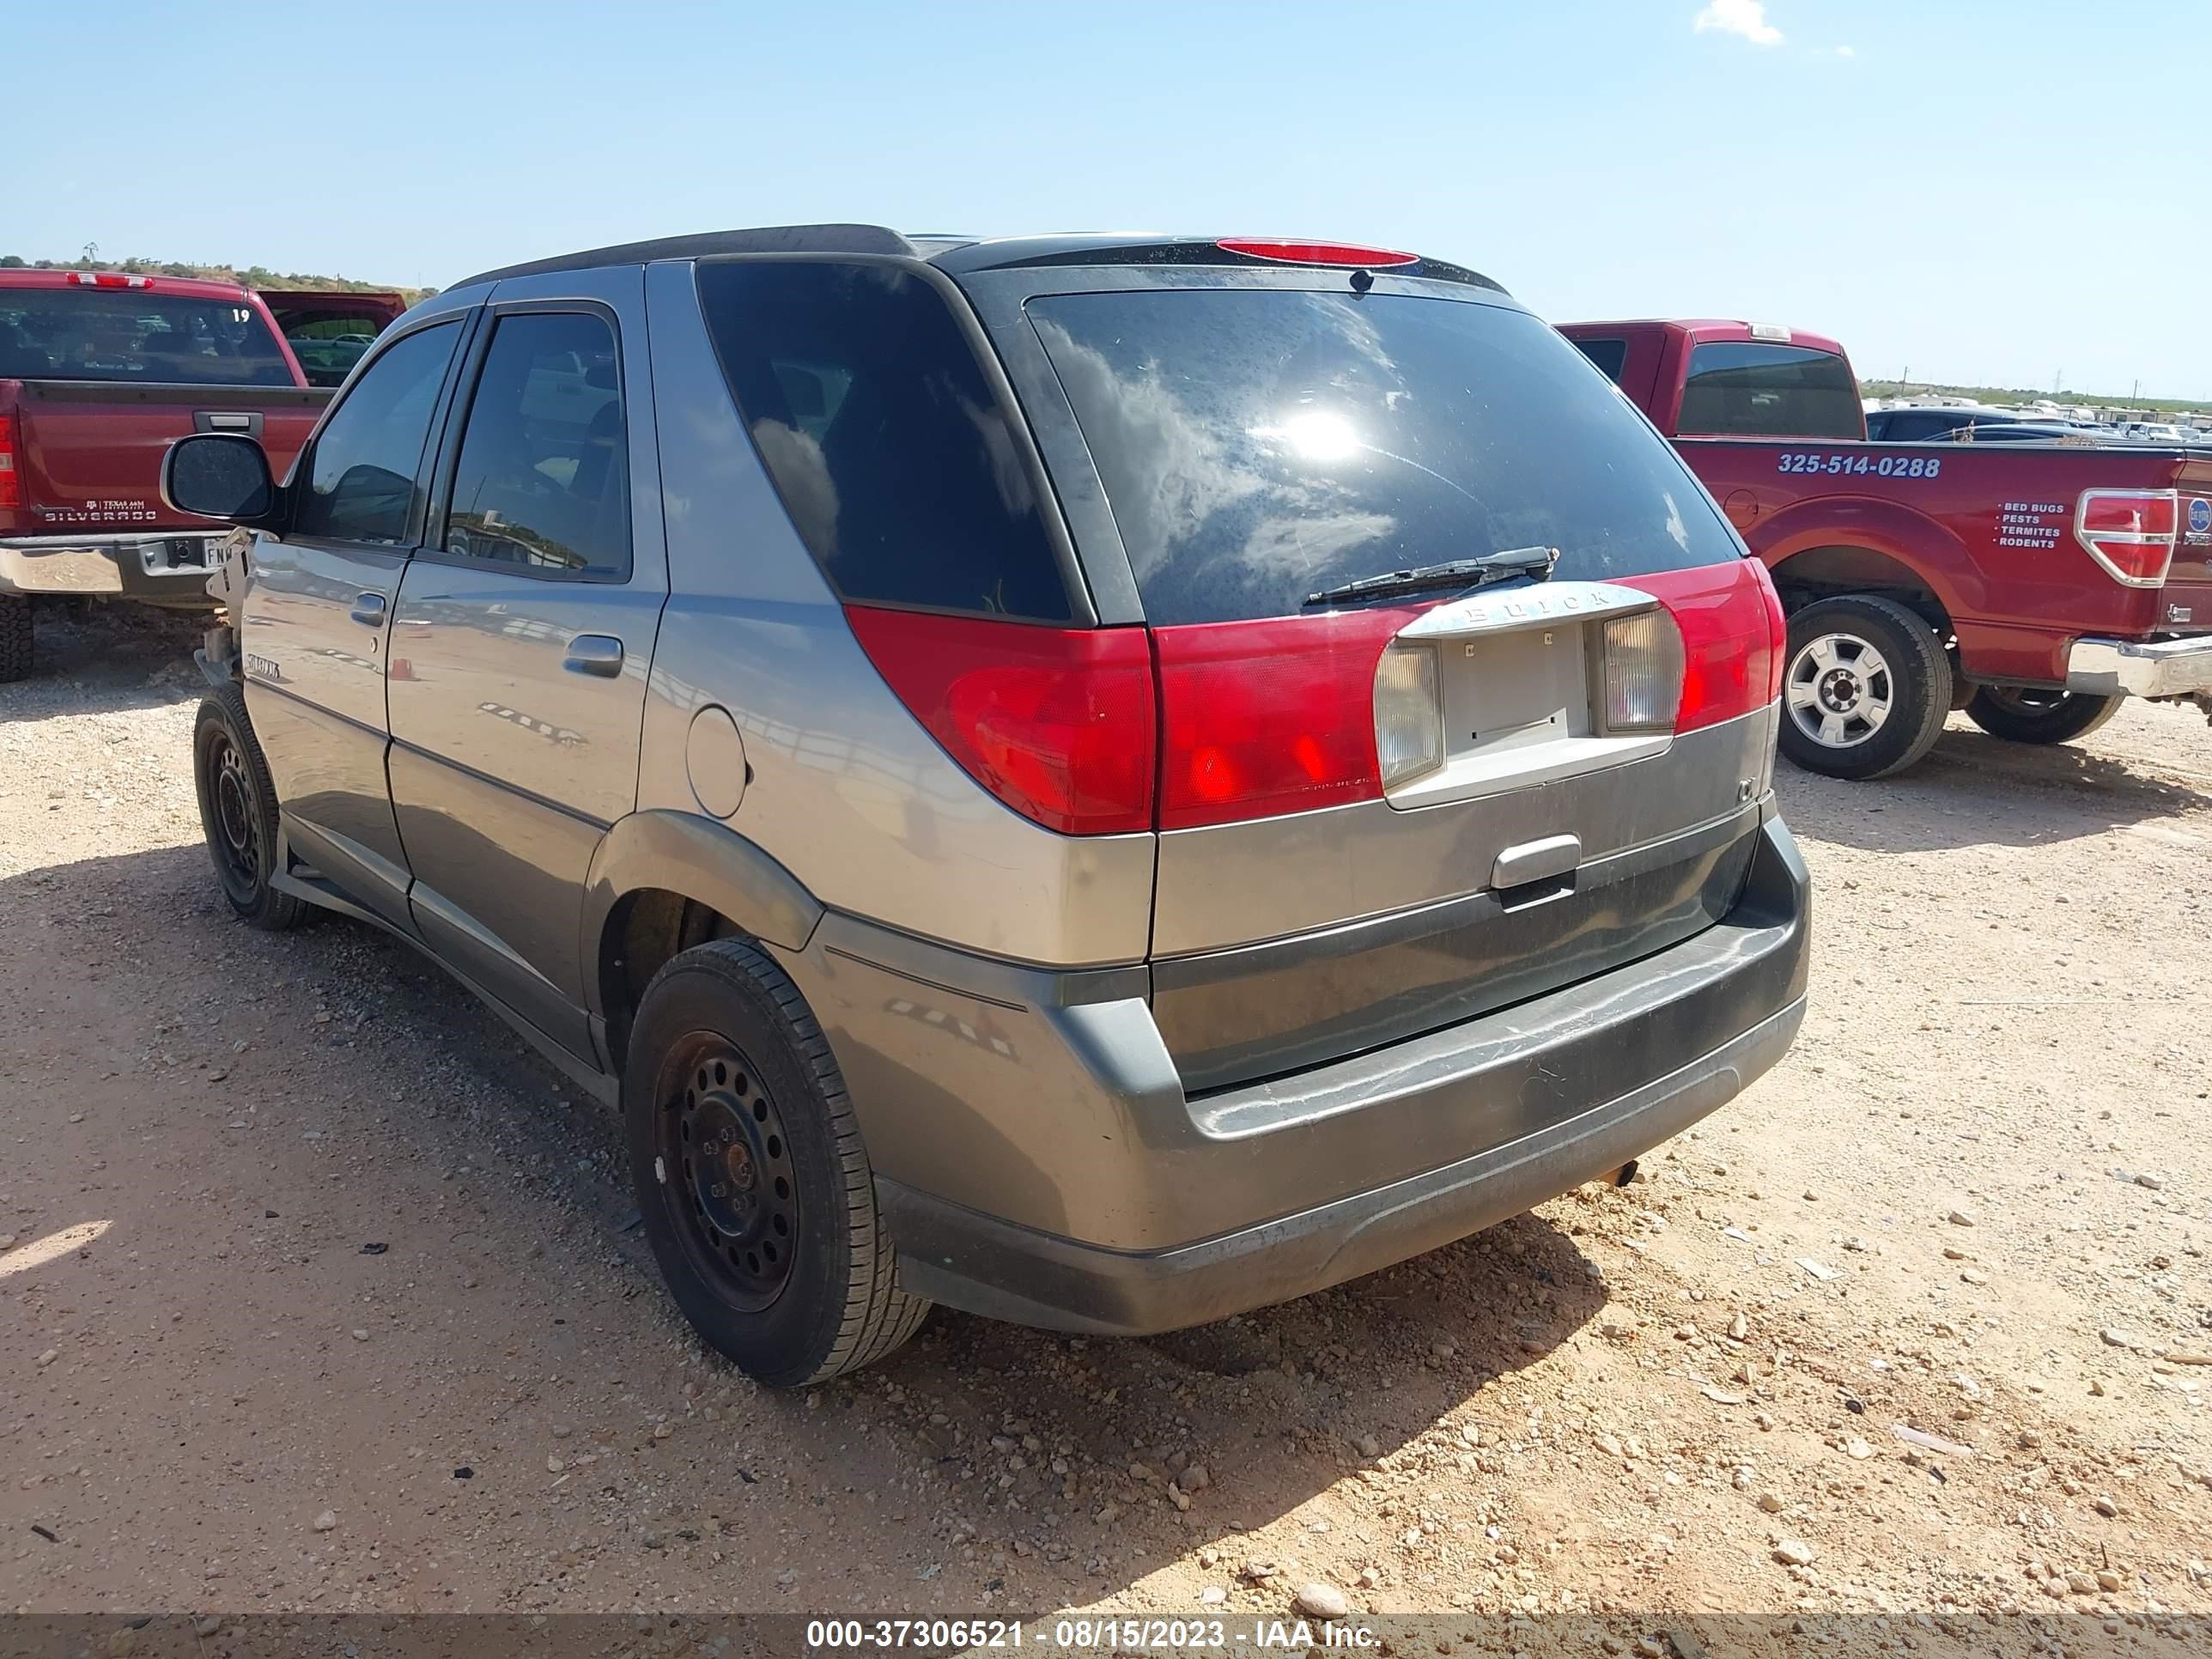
point(1103, 781)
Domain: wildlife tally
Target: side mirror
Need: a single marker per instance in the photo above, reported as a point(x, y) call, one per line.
point(220, 475)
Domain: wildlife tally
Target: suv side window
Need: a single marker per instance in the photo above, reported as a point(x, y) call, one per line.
point(901, 471)
point(361, 477)
point(543, 481)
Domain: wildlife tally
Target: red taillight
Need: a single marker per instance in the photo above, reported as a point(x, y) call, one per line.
point(1263, 718)
point(1315, 253)
point(108, 279)
point(1733, 634)
point(2131, 532)
point(11, 481)
point(1059, 723)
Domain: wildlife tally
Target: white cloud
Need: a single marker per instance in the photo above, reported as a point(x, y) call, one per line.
point(1745, 17)
point(1845, 52)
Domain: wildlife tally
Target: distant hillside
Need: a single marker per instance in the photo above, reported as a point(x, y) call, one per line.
point(244, 275)
point(2012, 394)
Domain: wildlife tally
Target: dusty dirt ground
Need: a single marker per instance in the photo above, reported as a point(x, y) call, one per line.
point(315, 1291)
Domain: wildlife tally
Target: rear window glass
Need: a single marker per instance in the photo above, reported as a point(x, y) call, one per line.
point(901, 469)
point(1259, 445)
point(132, 334)
point(1748, 390)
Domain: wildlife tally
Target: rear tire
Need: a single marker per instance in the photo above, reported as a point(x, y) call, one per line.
point(754, 1187)
point(238, 811)
point(1867, 688)
point(15, 648)
point(2021, 714)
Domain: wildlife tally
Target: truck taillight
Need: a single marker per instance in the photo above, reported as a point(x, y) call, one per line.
point(1059, 723)
point(11, 481)
point(108, 279)
point(2131, 532)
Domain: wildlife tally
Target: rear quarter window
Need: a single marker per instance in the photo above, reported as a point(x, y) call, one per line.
point(899, 466)
point(1259, 445)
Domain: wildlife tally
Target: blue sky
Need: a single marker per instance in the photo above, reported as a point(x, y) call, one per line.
point(1946, 185)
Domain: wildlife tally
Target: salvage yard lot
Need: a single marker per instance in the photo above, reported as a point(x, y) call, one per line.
point(351, 1255)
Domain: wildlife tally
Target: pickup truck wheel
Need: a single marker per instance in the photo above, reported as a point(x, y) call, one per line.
point(238, 811)
point(2022, 714)
point(754, 1187)
point(14, 638)
point(1867, 689)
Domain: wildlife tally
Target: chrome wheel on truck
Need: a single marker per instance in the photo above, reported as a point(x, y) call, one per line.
point(1866, 689)
point(1838, 690)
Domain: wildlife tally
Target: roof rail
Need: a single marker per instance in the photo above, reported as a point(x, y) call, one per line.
point(766, 239)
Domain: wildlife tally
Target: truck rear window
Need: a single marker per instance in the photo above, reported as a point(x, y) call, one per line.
point(125, 334)
point(1744, 389)
point(1259, 445)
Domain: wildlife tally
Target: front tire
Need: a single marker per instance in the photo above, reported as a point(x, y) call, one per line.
point(1867, 688)
point(2023, 714)
point(238, 811)
point(754, 1187)
point(15, 646)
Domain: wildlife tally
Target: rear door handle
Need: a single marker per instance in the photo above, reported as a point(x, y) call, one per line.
point(594, 653)
point(369, 609)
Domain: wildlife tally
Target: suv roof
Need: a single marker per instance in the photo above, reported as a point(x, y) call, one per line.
point(951, 251)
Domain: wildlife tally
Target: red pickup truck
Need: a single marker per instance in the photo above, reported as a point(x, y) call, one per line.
point(2033, 585)
point(99, 372)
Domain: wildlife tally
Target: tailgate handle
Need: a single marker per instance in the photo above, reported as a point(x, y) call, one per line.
point(245, 421)
point(1532, 860)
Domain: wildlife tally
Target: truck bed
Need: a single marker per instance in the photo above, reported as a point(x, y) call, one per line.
point(1989, 529)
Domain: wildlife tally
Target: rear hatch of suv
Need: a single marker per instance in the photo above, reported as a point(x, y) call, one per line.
point(1390, 799)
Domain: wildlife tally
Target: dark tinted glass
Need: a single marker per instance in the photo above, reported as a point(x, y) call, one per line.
point(1258, 445)
point(1752, 390)
point(361, 474)
point(544, 477)
point(132, 334)
point(900, 469)
point(1608, 355)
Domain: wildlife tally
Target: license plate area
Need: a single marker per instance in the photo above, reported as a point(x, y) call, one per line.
point(1521, 680)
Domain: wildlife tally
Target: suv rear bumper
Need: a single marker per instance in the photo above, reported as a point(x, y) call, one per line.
point(1096, 1197)
point(171, 566)
point(2157, 668)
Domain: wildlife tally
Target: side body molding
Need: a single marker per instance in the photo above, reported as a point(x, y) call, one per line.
point(681, 853)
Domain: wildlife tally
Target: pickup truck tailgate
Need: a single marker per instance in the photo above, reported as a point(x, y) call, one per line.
point(90, 452)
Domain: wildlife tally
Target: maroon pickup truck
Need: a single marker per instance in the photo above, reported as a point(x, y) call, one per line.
point(2034, 586)
point(99, 372)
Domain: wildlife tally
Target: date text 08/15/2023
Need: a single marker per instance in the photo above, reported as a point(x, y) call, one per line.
point(1083, 1635)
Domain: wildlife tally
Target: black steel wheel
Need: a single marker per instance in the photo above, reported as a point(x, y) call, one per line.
point(238, 812)
point(751, 1177)
point(2026, 713)
point(723, 1146)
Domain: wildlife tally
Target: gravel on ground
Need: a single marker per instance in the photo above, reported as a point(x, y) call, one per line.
point(319, 1291)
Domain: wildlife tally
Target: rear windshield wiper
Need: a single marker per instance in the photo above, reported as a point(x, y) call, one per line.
point(1470, 574)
